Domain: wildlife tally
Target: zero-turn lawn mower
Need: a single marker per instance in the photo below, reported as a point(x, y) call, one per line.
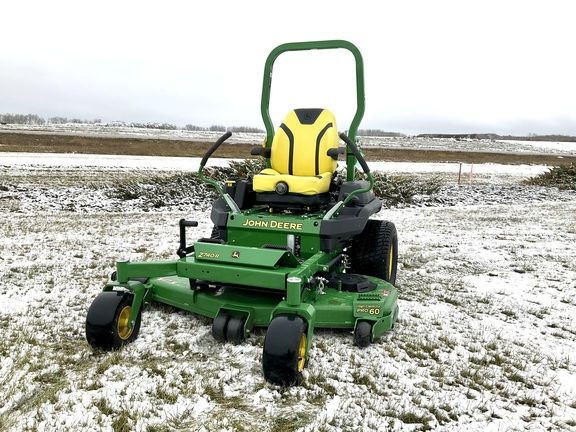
point(292, 249)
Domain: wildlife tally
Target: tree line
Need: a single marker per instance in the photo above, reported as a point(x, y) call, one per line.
point(221, 128)
point(378, 133)
point(493, 136)
point(36, 120)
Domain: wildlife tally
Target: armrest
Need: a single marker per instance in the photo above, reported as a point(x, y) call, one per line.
point(334, 152)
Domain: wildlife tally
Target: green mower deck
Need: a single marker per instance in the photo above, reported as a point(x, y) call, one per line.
point(289, 263)
point(332, 308)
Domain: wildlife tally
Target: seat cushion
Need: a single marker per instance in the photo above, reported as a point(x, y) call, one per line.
point(304, 185)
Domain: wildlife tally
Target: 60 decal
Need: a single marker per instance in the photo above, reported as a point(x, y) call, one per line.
point(368, 309)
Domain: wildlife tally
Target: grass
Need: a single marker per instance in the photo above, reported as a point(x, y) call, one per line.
point(166, 395)
point(510, 313)
point(409, 417)
point(6, 421)
point(122, 423)
point(289, 423)
point(422, 349)
point(102, 406)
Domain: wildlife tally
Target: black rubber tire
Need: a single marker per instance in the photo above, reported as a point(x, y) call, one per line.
point(363, 334)
point(281, 361)
point(102, 320)
point(219, 327)
point(235, 330)
point(373, 248)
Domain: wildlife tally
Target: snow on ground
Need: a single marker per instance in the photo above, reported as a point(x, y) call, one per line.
point(485, 340)
point(106, 161)
point(192, 164)
point(547, 145)
point(469, 144)
point(453, 168)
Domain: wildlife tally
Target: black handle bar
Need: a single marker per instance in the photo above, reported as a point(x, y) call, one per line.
point(212, 149)
point(356, 152)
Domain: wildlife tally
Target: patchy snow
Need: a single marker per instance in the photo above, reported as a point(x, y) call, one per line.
point(454, 168)
point(192, 164)
point(40, 182)
point(485, 339)
point(469, 144)
point(106, 161)
point(547, 145)
point(10, 305)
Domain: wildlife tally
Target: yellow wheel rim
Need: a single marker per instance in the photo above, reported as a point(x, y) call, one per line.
point(124, 329)
point(390, 261)
point(302, 352)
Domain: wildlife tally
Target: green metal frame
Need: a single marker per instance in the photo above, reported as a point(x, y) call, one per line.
point(287, 283)
point(316, 45)
point(227, 198)
point(329, 308)
point(285, 278)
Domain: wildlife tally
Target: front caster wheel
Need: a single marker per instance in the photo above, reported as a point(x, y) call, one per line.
point(363, 334)
point(284, 352)
point(219, 326)
point(107, 322)
point(235, 330)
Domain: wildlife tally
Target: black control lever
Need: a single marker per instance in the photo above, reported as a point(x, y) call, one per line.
point(183, 250)
point(212, 149)
point(356, 152)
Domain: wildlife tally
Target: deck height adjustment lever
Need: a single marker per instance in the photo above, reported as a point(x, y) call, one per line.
point(184, 250)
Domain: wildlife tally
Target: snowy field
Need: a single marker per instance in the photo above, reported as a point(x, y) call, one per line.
point(486, 338)
point(115, 131)
point(66, 160)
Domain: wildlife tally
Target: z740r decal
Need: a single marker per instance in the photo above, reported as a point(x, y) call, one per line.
point(208, 255)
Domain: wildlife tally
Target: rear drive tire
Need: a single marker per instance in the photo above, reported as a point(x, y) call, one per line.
point(107, 325)
point(374, 251)
point(284, 354)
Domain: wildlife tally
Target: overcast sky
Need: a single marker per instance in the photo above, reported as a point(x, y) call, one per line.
point(430, 66)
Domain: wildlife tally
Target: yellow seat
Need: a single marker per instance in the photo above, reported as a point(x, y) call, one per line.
point(298, 153)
